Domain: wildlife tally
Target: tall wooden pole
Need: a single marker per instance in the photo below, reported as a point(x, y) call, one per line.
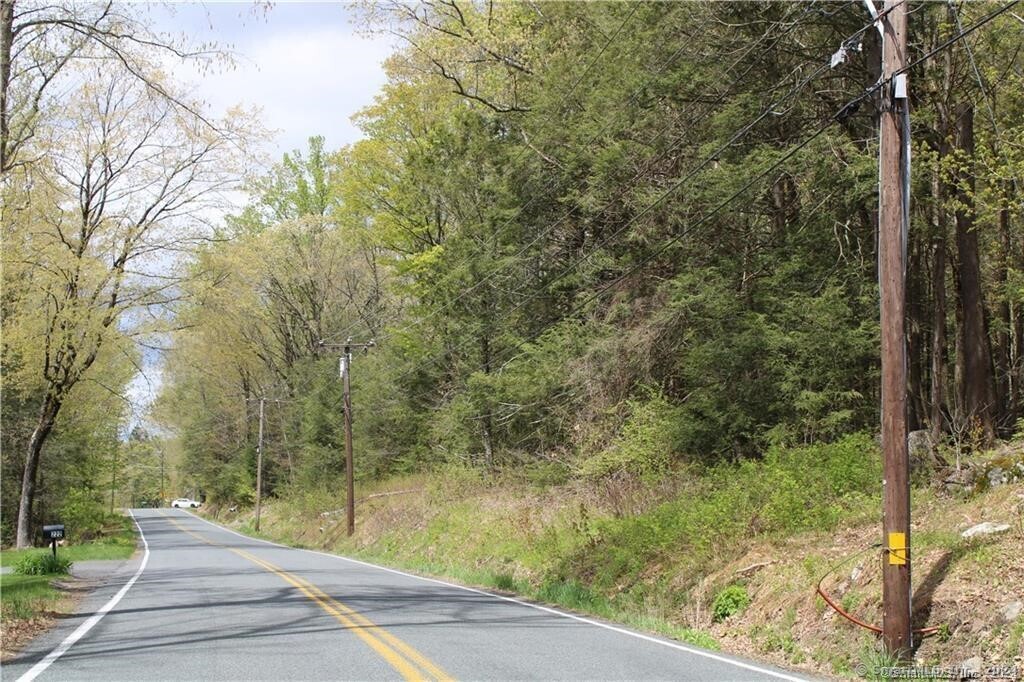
point(350, 503)
point(896, 595)
point(259, 467)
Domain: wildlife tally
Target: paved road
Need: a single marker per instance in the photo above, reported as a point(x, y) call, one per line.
point(209, 604)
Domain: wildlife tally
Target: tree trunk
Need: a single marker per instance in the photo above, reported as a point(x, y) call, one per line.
point(1004, 360)
point(487, 426)
point(938, 335)
point(938, 286)
point(47, 416)
point(978, 387)
point(6, 38)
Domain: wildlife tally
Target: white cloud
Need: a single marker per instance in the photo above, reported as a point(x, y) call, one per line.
point(302, 65)
point(307, 81)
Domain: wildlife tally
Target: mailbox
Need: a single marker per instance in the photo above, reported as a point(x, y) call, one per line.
point(54, 532)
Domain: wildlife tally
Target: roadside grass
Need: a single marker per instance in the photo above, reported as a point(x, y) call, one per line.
point(24, 596)
point(624, 550)
point(655, 555)
point(117, 541)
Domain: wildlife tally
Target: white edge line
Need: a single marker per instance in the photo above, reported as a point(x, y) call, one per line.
point(82, 629)
point(547, 609)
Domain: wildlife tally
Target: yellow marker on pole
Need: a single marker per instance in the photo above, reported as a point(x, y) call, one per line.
point(897, 549)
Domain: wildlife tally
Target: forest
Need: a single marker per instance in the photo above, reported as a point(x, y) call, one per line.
point(588, 241)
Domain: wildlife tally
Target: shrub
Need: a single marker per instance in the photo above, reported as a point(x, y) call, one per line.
point(645, 445)
point(42, 563)
point(83, 513)
point(729, 601)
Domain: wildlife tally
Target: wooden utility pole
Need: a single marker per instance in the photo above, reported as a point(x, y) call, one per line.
point(163, 496)
point(343, 366)
point(259, 467)
point(892, 225)
point(350, 485)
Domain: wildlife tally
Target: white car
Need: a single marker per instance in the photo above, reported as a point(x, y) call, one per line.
point(185, 503)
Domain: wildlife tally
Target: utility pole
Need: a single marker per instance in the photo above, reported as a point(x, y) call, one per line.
point(113, 480)
point(163, 497)
point(894, 171)
point(259, 467)
point(343, 366)
point(350, 484)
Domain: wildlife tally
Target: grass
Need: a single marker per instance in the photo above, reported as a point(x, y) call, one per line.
point(24, 596)
point(117, 542)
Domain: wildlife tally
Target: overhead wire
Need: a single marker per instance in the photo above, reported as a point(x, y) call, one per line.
point(579, 186)
point(671, 190)
point(869, 92)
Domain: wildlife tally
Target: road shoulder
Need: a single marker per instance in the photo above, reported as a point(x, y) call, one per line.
point(89, 586)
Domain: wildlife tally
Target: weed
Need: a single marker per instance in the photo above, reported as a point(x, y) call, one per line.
point(729, 601)
point(875, 663)
point(505, 581)
point(696, 638)
point(23, 596)
point(850, 601)
point(43, 563)
point(573, 595)
point(1015, 639)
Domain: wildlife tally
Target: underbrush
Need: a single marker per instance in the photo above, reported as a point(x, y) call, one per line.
point(792, 489)
point(42, 562)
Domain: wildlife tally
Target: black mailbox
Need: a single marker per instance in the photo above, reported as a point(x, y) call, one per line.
point(54, 532)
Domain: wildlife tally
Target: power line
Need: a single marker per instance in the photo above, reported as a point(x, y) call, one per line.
point(868, 93)
point(675, 187)
point(453, 269)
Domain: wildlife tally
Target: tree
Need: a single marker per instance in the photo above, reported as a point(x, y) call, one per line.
point(39, 42)
point(125, 182)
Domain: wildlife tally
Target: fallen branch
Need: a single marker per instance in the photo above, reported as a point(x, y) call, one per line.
point(370, 497)
point(753, 568)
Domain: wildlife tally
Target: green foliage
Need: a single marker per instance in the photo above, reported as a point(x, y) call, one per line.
point(574, 595)
point(1015, 638)
point(800, 488)
point(729, 601)
point(43, 563)
point(594, 285)
point(83, 513)
point(646, 443)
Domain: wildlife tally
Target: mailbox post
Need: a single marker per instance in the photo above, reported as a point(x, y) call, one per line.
point(54, 533)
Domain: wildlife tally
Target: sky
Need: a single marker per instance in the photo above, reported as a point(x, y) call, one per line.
point(305, 65)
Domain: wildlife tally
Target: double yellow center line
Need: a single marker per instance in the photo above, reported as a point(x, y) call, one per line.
point(410, 664)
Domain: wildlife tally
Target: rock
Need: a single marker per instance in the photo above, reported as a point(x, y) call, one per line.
point(996, 477)
point(919, 448)
point(971, 668)
point(1011, 611)
point(986, 528)
point(856, 573)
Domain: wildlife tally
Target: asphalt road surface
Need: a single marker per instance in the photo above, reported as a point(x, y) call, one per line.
point(204, 603)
